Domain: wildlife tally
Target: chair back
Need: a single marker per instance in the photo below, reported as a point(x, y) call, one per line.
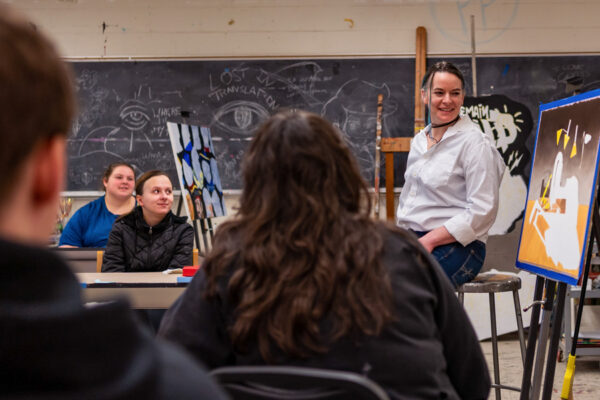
point(295, 383)
point(79, 259)
point(389, 146)
point(99, 257)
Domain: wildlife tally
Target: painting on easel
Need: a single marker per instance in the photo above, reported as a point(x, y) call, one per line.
point(197, 170)
point(562, 188)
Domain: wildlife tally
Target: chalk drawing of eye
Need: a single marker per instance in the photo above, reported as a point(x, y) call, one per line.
point(240, 116)
point(134, 115)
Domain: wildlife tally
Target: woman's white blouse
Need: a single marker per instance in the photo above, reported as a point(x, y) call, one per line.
point(455, 183)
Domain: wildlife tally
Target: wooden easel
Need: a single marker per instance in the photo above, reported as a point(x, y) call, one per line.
point(553, 307)
point(389, 146)
point(202, 226)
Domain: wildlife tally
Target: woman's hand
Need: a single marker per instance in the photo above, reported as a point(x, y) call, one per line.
point(436, 237)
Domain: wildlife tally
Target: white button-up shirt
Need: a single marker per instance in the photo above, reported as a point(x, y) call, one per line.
point(455, 183)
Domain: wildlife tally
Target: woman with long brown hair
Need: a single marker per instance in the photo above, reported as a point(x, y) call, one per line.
point(303, 276)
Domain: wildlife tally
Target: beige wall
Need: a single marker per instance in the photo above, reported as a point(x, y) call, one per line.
point(261, 28)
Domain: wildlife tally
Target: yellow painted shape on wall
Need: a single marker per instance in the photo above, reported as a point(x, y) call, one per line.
point(567, 137)
point(573, 150)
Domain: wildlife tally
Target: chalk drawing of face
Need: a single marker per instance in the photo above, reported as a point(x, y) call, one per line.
point(357, 119)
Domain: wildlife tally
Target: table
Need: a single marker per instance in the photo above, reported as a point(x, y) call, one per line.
point(143, 289)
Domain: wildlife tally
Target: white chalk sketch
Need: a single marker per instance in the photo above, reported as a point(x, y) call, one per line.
point(358, 120)
point(123, 119)
point(240, 117)
point(137, 134)
point(492, 19)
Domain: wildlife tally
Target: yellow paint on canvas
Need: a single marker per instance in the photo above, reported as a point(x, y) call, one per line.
point(558, 132)
point(532, 250)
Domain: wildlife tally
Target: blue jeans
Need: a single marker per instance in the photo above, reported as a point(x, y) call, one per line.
point(460, 263)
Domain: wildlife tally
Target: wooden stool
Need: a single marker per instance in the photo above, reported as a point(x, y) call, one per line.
point(490, 282)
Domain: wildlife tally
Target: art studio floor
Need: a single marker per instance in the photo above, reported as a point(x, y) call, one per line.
point(587, 371)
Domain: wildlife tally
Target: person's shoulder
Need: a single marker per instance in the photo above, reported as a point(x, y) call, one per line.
point(178, 220)
point(396, 236)
point(33, 273)
point(94, 207)
point(182, 378)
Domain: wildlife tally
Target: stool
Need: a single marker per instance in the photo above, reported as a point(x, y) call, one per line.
point(490, 282)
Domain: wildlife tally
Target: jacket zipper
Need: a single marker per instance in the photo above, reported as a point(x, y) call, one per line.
point(150, 249)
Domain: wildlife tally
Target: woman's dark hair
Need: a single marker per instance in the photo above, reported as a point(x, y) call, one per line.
point(139, 184)
point(111, 168)
point(441, 66)
point(303, 247)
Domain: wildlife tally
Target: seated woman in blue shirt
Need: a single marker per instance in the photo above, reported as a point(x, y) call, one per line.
point(91, 224)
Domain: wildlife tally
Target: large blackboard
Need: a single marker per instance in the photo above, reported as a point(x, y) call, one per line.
point(124, 106)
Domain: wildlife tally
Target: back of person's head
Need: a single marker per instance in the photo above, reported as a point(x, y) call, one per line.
point(301, 238)
point(298, 167)
point(441, 66)
point(36, 94)
point(141, 181)
point(37, 104)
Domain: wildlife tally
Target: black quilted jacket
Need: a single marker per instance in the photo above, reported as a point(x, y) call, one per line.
point(134, 246)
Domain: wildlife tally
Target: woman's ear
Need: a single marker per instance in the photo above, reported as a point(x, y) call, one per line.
point(138, 198)
point(424, 97)
point(49, 171)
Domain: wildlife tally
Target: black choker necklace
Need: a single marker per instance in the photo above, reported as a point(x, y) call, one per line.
point(446, 124)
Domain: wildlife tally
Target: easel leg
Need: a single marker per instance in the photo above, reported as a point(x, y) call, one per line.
point(532, 338)
point(543, 339)
point(554, 339)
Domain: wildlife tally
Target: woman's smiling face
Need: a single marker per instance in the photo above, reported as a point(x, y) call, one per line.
point(444, 96)
point(157, 195)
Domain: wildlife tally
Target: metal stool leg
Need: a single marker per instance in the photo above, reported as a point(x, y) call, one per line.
point(495, 346)
point(519, 324)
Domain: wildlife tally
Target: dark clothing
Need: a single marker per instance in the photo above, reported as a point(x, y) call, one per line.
point(54, 347)
point(430, 350)
point(134, 246)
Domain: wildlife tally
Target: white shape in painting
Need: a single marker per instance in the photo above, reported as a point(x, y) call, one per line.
point(560, 239)
point(217, 179)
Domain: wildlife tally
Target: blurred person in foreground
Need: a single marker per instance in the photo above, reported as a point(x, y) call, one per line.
point(53, 346)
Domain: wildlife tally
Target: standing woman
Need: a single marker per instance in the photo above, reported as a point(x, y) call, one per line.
point(450, 194)
point(151, 237)
point(91, 224)
point(303, 276)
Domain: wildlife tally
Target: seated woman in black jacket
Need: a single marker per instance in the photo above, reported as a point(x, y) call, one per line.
point(303, 276)
point(151, 237)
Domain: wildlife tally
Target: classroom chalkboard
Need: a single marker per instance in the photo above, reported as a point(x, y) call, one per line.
point(124, 105)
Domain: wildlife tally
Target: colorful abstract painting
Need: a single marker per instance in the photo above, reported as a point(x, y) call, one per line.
point(562, 188)
point(197, 170)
